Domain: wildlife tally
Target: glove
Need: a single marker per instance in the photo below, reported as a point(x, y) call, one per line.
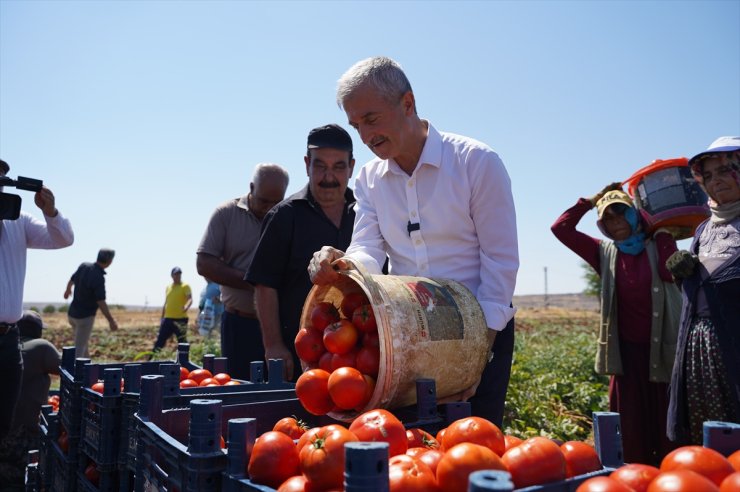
point(681, 264)
point(612, 186)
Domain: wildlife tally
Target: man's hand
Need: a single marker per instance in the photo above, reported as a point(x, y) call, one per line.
point(67, 293)
point(280, 351)
point(113, 325)
point(321, 270)
point(44, 200)
point(681, 264)
point(610, 187)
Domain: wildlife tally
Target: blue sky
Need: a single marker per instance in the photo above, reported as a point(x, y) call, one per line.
point(143, 116)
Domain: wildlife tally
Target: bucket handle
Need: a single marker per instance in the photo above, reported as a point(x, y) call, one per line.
point(357, 272)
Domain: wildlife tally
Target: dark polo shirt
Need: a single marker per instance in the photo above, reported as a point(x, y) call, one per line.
point(89, 281)
point(291, 232)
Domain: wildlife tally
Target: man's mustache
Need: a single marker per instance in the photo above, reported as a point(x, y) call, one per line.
point(327, 184)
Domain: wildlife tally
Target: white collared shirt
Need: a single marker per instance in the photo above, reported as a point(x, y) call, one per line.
point(15, 239)
point(460, 195)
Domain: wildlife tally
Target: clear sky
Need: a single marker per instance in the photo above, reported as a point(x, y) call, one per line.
point(143, 116)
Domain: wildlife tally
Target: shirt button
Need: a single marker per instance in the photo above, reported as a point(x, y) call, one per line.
point(411, 183)
point(424, 266)
point(655, 366)
point(655, 339)
point(655, 315)
point(417, 242)
point(655, 289)
point(413, 214)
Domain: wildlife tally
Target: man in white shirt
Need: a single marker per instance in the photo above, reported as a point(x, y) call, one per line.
point(16, 236)
point(438, 205)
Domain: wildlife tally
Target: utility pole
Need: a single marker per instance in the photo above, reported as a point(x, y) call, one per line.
point(547, 301)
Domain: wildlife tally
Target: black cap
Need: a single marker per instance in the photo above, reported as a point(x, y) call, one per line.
point(176, 270)
point(332, 136)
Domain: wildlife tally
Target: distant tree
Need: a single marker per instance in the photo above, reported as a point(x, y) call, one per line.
point(63, 309)
point(34, 308)
point(593, 281)
point(49, 309)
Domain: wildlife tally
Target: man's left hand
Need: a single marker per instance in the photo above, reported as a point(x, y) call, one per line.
point(44, 200)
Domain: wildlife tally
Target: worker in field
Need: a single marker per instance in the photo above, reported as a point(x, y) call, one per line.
point(224, 255)
point(321, 213)
point(40, 360)
point(438, 205)
point(174, 319)
point(640, 310)
point(88, 295)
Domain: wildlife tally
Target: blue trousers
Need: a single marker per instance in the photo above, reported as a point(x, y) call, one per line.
point(488, 401)
point(241, 343)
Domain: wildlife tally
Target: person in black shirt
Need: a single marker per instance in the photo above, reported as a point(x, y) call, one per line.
point(321, 213)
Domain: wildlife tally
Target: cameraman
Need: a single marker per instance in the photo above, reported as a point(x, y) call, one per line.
point(16, 236)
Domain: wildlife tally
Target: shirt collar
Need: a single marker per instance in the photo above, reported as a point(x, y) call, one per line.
point(305, 194)
point(431, 153)
point(243, 202)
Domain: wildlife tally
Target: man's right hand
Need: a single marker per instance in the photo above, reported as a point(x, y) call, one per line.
point(610, 187)
point(113, 325)
point(321, 268)
point(281, 352)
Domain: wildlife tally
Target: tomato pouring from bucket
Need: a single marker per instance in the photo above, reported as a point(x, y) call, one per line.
point(427, 328)
point(667, 195)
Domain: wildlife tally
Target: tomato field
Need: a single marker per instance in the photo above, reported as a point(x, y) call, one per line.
point(553, 388)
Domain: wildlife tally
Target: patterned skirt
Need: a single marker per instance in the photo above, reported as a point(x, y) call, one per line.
point(707, 390)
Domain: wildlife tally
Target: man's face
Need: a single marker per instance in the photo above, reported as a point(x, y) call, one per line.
point(328, 171)
point(381, 124)
point(177, 277)
point(262, 198)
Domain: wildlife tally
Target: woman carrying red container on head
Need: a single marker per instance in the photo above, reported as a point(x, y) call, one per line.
point(640, 309)
point(706, 377)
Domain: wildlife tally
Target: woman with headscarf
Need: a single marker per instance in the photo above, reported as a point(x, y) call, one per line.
point(640, 308)
point(706, 377)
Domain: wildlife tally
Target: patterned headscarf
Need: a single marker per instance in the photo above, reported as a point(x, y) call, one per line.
point(727, 150)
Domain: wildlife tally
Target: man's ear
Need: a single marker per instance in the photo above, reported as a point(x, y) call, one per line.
point(408, 102)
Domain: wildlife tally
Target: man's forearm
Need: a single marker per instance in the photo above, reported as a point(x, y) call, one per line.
point(104, 309)
point(218, 271)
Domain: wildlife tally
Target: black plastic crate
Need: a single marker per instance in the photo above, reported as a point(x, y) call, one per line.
point(101, 423)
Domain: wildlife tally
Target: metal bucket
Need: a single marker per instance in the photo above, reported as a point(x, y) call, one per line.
point(428, 328)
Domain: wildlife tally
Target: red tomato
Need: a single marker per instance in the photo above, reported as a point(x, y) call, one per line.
point(370, 385)
point(580, 458)
point(199, 375)
point(431, 457)
point(223, 443)
point(602, 484)
point(232, 383)
point(309, 345)
point(347, 388)
point(293, 484)
point(635, 475)
point(704, 461)
point(322, 458)
point(476, 430)
point(340, 337)
point(291, 426)
point(407, 474)
point(681, 481)
point(92, 474)
point(734, 458)
point(731, 483)
point(322, 315)
point(536, 461)
point(98, 387)
point(188, 383)
point(184, 373)
point(274, 459)
point(371, 339)
point(209, 382)
point(512, 442)
point(306, 437)
point(440, 435)
point(325, 361)
point(222, 378)
point(352, 301)
point(312, 389)
point(460, 461)
point(368, 360)
point(420, 438)
point(343, 360)
point(381, 426)
point(364, 319)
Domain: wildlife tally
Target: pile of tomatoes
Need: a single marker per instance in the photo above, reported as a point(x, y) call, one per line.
point(204, 377)
point(293, 457)
point(686, 469)
point(341, 349)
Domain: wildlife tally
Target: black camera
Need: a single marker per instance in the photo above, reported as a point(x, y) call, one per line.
point(10, 205)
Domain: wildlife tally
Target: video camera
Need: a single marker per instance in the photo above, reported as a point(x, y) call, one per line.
point(10, 205)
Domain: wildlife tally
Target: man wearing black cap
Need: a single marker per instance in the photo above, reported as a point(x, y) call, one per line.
point(321, 213)
point(178, 299)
